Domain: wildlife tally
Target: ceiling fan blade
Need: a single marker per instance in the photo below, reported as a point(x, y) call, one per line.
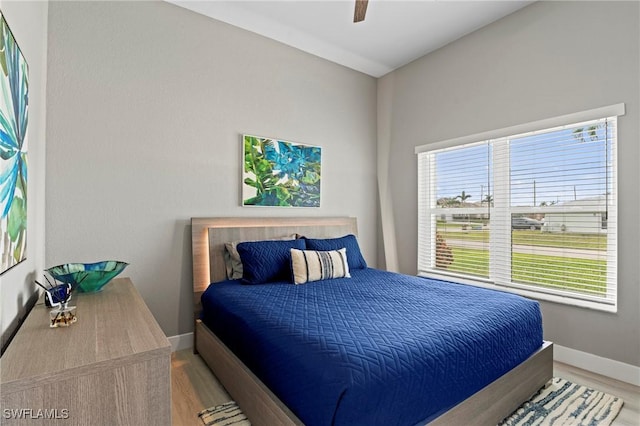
point(360, 10)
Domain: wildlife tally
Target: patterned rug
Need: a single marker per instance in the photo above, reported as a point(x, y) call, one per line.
point(222, 415)
point(559, 402)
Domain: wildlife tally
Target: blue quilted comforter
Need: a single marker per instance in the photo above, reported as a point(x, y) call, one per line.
point(377, 348)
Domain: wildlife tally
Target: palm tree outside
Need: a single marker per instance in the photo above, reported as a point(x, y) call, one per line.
point(463, 197)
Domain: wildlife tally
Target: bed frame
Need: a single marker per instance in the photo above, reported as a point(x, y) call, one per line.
point(208, 235)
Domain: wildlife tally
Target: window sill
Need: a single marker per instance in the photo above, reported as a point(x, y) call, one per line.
point(587, 304)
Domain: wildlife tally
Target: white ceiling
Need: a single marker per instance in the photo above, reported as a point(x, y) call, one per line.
point(394, 33)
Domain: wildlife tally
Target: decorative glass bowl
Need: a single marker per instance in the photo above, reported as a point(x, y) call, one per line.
point(87, 277)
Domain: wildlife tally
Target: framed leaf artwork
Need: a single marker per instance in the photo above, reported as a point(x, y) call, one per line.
point(279, 173)
point(14, 100)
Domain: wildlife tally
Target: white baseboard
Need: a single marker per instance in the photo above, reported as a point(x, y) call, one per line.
point(181, 341)
point(607, 367)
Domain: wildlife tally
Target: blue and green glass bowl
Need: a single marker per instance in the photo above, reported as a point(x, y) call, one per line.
point(87, 277)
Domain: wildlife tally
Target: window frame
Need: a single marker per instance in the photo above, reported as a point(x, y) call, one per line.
point(498, 279)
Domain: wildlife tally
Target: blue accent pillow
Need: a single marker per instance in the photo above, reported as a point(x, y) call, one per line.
point(354, 256)
point(267, 261)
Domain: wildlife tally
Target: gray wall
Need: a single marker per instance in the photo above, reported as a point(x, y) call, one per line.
point(146, 105)
point(548, 59)
point(28, 22)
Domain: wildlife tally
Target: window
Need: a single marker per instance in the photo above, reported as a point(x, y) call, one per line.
point(530, 209)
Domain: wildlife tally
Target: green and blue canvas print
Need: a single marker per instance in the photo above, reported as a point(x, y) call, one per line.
point(14, 96)
point(280, 173)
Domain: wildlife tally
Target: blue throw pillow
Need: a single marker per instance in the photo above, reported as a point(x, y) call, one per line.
point(267, 261)
point(354, 256)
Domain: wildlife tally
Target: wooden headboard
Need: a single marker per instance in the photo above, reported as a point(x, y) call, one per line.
point(208, 235)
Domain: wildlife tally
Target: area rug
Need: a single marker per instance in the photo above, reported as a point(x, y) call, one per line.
point(222, 415)
point(559, 402)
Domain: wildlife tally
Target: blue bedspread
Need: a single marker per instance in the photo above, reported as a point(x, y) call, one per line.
point(377, 348)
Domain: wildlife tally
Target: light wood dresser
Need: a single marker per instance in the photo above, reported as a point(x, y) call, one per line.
point(111, 367)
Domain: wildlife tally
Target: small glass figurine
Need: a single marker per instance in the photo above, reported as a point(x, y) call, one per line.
point(57, 297)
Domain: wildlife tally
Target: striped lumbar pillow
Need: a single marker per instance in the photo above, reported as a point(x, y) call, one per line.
point(310, 265)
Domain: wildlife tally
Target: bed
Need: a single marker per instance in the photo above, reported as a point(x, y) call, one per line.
point(336, 394)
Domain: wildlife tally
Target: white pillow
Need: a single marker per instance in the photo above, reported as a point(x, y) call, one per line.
point(311, 265)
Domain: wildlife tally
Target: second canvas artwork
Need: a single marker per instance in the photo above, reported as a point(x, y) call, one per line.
point(278, 173)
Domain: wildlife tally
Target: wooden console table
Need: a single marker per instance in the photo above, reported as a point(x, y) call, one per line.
point(112, 367)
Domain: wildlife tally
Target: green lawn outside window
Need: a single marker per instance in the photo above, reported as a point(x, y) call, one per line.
point(583, 275)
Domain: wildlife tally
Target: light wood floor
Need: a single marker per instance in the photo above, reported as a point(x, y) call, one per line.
point(194, 388)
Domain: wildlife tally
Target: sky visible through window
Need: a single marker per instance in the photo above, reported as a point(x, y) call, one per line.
point(468, 169)
point(550, 168)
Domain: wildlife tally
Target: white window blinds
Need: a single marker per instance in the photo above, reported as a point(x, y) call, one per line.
point(458, 203)
point(534, 212)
